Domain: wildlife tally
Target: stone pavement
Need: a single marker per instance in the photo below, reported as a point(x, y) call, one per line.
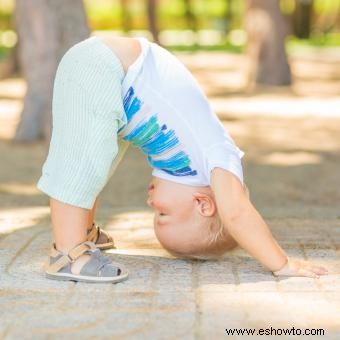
point(291, 167)
point(166, 298)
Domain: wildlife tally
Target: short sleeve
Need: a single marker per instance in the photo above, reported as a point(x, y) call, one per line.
point(225, 155)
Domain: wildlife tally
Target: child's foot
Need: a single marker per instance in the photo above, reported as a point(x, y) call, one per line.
point(100, 237)
point(84, 262)
point(77, 265)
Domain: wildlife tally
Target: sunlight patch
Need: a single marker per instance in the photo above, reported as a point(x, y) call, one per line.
point(20, 218)
point(19, 189)
point(291, 158)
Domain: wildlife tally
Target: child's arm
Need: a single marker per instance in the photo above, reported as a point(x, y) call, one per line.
point(249, 230)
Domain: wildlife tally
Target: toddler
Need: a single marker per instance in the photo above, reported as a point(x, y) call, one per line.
point(110, 93)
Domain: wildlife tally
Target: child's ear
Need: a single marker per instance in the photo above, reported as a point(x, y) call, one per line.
point(204, 203)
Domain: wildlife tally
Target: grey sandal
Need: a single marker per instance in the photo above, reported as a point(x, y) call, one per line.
point(100, 237)
point(99, 268)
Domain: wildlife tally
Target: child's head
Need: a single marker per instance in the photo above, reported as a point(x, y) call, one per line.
point(186, 221)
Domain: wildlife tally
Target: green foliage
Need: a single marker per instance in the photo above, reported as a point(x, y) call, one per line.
point(326, 6)
point(287, 6)
point(227, 46)
point(209, 14)
point(5, 20)
point(104, 14)
point(327, 40)
point(4, 52)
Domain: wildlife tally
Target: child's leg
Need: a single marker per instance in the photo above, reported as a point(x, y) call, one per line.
point(92, 214)
point(87, 113)
point(70, 225)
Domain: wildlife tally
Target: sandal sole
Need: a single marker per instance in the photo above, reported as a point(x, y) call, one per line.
point(89, 279)
point(103, 246)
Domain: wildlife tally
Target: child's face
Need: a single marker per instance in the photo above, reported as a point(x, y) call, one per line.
point(178, 213)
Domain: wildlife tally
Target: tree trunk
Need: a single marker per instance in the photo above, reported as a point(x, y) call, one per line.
point(267, 29)
point(190, 16)
point(152, 17)
point(302, 18)
point(228, 16)
point(46, 29)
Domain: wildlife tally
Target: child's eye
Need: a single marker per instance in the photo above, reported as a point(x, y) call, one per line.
point(161, 214)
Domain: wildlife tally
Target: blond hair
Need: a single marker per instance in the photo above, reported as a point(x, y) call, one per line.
point(215, 240)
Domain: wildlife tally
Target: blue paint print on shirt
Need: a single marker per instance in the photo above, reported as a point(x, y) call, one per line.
point(177, 165)
point(131, 103)
point(155, 140)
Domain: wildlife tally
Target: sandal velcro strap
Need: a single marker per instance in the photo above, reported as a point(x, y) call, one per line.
point(100, 237)
point(93, 233)
point(79, 250)
point(72, 255)
point(60, 263)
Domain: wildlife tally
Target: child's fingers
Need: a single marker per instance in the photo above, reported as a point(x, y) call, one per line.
point(308, 273)
point(302, 268)
point(319, 267)
point(320, 270)
point(314, 271)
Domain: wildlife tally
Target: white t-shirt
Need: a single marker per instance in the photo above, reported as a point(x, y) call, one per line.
point(170, 119)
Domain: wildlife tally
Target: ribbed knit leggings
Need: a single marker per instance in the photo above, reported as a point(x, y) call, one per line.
point(87, 111)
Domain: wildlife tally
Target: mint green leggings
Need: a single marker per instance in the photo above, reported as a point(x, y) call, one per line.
point(87, 112)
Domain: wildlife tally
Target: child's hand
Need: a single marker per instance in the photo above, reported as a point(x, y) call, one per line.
point(301, 268)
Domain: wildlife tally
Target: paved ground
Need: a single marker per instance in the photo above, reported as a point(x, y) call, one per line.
point(292, 170)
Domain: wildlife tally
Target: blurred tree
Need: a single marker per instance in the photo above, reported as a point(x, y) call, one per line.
point(228, 15)
point(190, 16)
point(267, 29)
point(302, 18)
point(46, 29)
point(152, 19)
point(151, 9)
point(126, 16)
point(326, 17)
